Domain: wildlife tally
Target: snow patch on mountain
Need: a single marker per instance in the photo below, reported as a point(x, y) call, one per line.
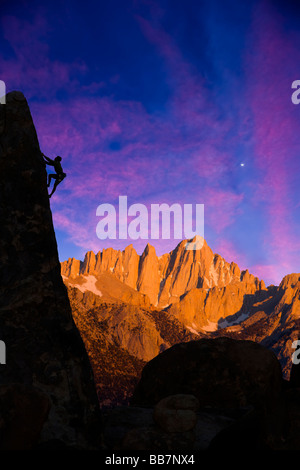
point(89, 285)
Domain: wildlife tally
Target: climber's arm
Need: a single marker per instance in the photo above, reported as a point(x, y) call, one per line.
point(48, 160)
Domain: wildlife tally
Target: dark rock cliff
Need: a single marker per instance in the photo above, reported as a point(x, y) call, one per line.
point(44, 349)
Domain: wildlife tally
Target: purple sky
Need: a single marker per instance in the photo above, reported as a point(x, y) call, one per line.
point(162, 101)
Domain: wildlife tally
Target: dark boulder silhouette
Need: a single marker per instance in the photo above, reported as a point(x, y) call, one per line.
point(234, 376)
point(44, 349)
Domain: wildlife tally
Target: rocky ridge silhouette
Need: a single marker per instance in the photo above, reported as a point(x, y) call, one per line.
point(47, 391)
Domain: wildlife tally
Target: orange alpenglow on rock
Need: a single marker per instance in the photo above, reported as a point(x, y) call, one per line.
point(199, 287)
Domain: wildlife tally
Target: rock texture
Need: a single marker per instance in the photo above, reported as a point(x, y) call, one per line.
point(198, 287)
point(23, 412)
point(121, 337)
point(273, 321)
point(134, 428)
point(210, 309)
point(176, 413)
point(166, 278)
point(44, 348)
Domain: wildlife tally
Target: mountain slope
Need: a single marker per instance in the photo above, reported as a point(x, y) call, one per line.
point(44, 349)
point(120, 338)
point(274, 322)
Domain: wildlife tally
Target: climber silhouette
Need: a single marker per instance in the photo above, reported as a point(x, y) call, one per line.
point(59, 176)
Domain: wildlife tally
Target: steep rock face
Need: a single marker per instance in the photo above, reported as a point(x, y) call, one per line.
point(148, 279)
point(106, 288)
point(44, 348)
point(289, 303)
point(210, 309)
point(24, 410)
point(273, 320)
point(130, 266)
point(72, 268)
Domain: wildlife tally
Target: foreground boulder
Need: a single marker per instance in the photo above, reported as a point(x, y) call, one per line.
point(135, 428)
point(44, 349)
point(176, 413)
point(221, 373)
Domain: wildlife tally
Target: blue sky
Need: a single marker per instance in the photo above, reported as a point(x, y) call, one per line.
point(162, 102)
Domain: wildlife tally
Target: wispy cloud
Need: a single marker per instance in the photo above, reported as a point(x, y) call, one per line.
point(157, 154)
point(185, 150)
point(271, 69)
point(30, 66)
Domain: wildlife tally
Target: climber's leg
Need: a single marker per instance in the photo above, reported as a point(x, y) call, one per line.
point(54, 187)
point(49, 179)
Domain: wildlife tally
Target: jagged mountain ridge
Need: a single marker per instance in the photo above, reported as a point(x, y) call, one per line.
point(274, 322)
point(166, 279)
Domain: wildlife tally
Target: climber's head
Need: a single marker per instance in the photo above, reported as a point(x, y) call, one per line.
point(57, 159)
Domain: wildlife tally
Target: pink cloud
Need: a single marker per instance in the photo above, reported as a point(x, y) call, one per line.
point(228, 251)
point(192, 109)
point(156, 150)
point(81, 234)
point(270, 71)
point(190, 103)
point(222, 208)
point(97, 175)
point(31, 64)
point(269, 273)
